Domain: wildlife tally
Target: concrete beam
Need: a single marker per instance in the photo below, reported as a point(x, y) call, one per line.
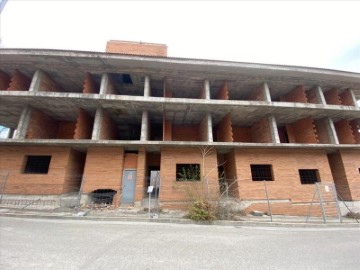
point(266, 92)
point(320, 95)
point(144, 126)
point(36, 81)
point(104, 85)
point(353, 98)
point(23, 123)
point(333, 138)
point(147, 90)
point(207, 89)
point(209, 128)
point(97, 123)
point(273, 129)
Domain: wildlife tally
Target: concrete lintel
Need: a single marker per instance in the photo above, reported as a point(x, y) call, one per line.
point(97, 124)
point(144, 126)
point(209, 128)
point(207, 89)
point(333, 138)
point(147, 90)
point(273, 129)
point(23, 123)
point(104, 85)
point(320, 95)
point(266, 92)
point(36, 80)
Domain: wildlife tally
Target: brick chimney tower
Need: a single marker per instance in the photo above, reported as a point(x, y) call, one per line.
point(136, 48)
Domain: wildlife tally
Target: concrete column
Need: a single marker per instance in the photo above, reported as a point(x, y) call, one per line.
point(147, 86)
point(144, 126)
point(207, 89)
point(353, 98)
point(273, 129)
point(36, 80)
point(266, 92)
point(10, 133)
point(333, 138)
point(97, 124)
point(320, 95)
point(23, 123)
point(104, 85)
point(209, 128)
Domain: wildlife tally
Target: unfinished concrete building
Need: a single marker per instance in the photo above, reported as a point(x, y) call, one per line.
point(122, 118)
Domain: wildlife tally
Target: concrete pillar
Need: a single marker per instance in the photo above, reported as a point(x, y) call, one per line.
point(353, 98)
point(207, 89)
point(273, 129)
point(97, 124)
point(209, 128)
point(320, 95)
point(104, 85)
point(36, 80)
point(147, 86)
point(10, 133)
point(266, 92)
point(23, 123)
point(333, 138)
point(144, 126)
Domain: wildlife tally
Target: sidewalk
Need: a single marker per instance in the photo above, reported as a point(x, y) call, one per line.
point(136, 215)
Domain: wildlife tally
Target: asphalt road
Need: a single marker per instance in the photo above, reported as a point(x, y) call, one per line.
point(72, 244)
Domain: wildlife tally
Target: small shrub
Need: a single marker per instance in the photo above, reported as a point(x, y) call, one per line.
point(200, 210)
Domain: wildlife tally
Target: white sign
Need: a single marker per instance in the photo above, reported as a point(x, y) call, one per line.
point(326, 188)
point(150, 189)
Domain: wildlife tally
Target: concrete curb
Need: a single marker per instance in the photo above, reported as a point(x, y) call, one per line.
point(187, 221)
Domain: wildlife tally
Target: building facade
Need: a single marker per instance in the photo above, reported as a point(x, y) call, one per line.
point(132, 117)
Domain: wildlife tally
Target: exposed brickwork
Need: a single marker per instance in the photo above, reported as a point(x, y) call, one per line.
point(19, 82)
point(167, 130)
point(84, 125)
point(355, 127)
point(140, 175)
point(203, 130)
point(136, 48)
point(185, 133)
point(260, 131)
point(224, 92)
point(90, 86)
point(103, 169)
point(224, 130)
point(285, 166)
point(302, 131)
point(296, 95)
point(332, 97)
point(351, 162)
point(312, 97)
point(321, 131)
point(41, 126)
point(108, 128)
point(344, 132)
point(130, 161)
point(58, 180)
point(66, 130)
point(4, 80)
point(231, 173)
point(172, 191)
point(47, 84)
point(258, 94)
point(346, 98)
point(75, 169)
point(241, 134)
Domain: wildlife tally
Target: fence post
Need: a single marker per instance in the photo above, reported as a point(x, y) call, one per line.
point(4, 178)
point(321, 204)
point(268, 201)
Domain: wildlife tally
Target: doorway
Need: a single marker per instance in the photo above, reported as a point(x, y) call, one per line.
point(128, 187)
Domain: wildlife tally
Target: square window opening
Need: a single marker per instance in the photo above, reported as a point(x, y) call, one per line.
point(37, 164)
point(261, 172)
point(308, 176)
point(187, 172)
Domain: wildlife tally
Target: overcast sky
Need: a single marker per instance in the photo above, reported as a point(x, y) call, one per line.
point(307, 33)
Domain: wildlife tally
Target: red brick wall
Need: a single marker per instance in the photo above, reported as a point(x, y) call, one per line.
point(241, 134)
point(355, 127)
point(130, 160)
point(302, 131)
point(185, 133)
point(332, 97)
point(296, 95)
point(260, 131)
point(74, 171)
point(103, 169)
point(140, 175)
point(136, 48)
point(108, 128)
point(224, 92)
point(258, 94)
point(47, 84)
point(203, 130)
point(285, 166)
point(4, 80)
point(13, 160)
point(66, 130)
point(321, 131)
point(19, 82)
point(224, 131)
point(312, 97)
point(41, 126)
point(231, 174)
point(344, 132)
point(167, 130)
point(346, 98)
point(172, 191)
point(351, 162)
point(90, 86)
point(84, 126)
